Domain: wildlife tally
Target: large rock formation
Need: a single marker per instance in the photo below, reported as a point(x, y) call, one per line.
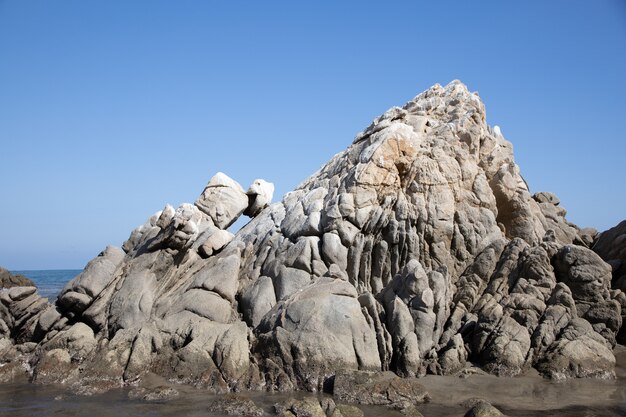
point(418, 249)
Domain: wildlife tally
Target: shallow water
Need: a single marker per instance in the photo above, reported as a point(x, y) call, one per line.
point(523, 396)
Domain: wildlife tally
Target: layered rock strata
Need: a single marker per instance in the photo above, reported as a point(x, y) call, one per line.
point(417, 249)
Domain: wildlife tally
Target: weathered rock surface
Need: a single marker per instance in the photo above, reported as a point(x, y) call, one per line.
point(223, 200)
point(378, 388)
point(611, 246)
point(418, 249)
point(78, 294)
point(306, 407)
point(234, 405)
point(260, 195)
point(8, 280)
point(484, 409)
point(161, 393)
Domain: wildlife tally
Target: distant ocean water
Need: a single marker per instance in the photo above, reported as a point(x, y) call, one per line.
point(50, 281)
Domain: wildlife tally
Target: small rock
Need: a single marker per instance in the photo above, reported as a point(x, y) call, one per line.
point(216, 242)
point(328, 405)
point(260, 196)
point(378, 388)
point(95, 386)
point(306, 407)
point(484, 409)
point(13, 371)
point(8, 280)
point(471, 402)
point(161, 393)
point(546, 197)
point(20, 293)
point(349, 410)
point(235, 405)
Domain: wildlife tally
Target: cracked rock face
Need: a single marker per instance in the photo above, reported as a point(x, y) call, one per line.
point(611, 246)
point(416, 250)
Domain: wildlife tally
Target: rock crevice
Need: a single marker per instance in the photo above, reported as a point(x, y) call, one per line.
point(418, 249)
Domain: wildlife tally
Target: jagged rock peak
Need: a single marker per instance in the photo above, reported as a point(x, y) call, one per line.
point(433, 106)
point(418, 249)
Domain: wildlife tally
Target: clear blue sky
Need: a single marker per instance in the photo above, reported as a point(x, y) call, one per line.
point(110, 109)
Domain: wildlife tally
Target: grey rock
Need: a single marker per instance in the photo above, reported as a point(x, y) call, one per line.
point(306, 407)
point(325, 307)
point(333, 251)
point(54, 366)
point(9, 280)
point(235, 405)
point(587, 237)
point(503, 343)
point(14, 372)
point(223, 200)
point(78, 340)
point(79, 292)
point(378, 388)
point(258, 300)
point(290, 280)
point(579, 352)
point(611, 246)
point(260, 195)
point(589, 279)
point(545, 197)
point(21, 293)
point(418, 249)
point(207, 304)
point(453, 357)
point(158, 394)
point(215, 242)
point(133, 300)
point(411, 411)
point(219, 275)
point(484, 409)
point(347, 410)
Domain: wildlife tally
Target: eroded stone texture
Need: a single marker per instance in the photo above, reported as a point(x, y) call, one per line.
point(260, 196)
point(9, 280)
point(223, 200)
point(611, 246)
point(417, 249)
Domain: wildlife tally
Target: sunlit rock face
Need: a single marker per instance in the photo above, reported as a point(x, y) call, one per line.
point(417, 249)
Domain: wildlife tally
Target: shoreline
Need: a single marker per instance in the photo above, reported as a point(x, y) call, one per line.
point(525, 395)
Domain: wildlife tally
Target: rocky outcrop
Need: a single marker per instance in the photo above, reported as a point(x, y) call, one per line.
point(416, 250)
point(484, 409)
point(9, 280)
point(233, 405)
point(611, 246)
point(378, 388)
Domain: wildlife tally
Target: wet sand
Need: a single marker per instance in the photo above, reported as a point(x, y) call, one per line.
point(529, 395)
